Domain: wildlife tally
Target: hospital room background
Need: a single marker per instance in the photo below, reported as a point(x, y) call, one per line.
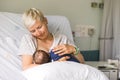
point(89, 19)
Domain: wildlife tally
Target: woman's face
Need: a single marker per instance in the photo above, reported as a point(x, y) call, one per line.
point(39, 29)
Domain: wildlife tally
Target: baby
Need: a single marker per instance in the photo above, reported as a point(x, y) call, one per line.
point(41, 57)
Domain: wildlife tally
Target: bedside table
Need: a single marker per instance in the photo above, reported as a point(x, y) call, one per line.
point(111, 73)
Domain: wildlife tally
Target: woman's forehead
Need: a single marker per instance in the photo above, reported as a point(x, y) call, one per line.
point(36, 24)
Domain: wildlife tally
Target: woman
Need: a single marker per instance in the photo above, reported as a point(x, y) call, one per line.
point(41, 38)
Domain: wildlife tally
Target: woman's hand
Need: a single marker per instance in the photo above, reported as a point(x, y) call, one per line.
point(64, 49)
point(67, 49)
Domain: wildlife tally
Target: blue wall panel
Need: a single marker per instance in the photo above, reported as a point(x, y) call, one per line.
point(92, 55)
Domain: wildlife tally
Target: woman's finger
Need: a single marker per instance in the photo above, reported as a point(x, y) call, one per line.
point(59, 51)
point(63, 49)
point(58, 48)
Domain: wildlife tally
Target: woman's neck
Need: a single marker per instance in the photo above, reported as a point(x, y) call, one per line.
point(45, 44)
point(49, 38)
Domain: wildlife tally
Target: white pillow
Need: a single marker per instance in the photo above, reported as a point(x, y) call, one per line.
point(63, 71)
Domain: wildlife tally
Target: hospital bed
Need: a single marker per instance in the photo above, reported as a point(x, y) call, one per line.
point(11, 32)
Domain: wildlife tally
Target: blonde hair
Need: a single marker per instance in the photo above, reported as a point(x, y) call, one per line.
point(31, 15)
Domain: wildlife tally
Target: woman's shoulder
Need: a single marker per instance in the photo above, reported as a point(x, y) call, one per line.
point(28, 38)
point(27, 45)
point(60, 36)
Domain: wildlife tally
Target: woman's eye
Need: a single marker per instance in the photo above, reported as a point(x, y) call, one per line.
point(39, 27)
point(32, 31)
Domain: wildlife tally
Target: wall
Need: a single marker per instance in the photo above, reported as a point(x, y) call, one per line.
point(77, 11)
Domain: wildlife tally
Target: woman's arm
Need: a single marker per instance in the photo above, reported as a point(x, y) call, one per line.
point(68, 49)
point(27, 62)
point(80, 57)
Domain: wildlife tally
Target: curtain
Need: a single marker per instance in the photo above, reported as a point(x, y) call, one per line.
point(110, 30)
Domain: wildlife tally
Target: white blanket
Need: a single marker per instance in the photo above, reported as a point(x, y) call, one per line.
point(63, 71)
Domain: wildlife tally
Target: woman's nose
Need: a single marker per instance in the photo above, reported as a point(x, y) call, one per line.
point(38, 32)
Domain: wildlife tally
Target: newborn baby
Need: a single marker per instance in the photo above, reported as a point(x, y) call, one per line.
point(40, 57)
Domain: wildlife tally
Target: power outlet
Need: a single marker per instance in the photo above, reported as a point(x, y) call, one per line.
point(84, 30)
point(91, 32)
point(94, 4)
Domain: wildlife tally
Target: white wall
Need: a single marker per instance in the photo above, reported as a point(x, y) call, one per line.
point(77, 11)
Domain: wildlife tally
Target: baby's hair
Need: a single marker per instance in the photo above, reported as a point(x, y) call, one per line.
point(46, 57)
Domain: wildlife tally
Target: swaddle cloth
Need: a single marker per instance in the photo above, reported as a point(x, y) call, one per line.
point(55, 57)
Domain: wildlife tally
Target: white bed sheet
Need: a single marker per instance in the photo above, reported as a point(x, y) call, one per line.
point(9, 62)
point(11, 31)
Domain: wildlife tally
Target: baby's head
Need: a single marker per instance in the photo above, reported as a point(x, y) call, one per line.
point(40, 57)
